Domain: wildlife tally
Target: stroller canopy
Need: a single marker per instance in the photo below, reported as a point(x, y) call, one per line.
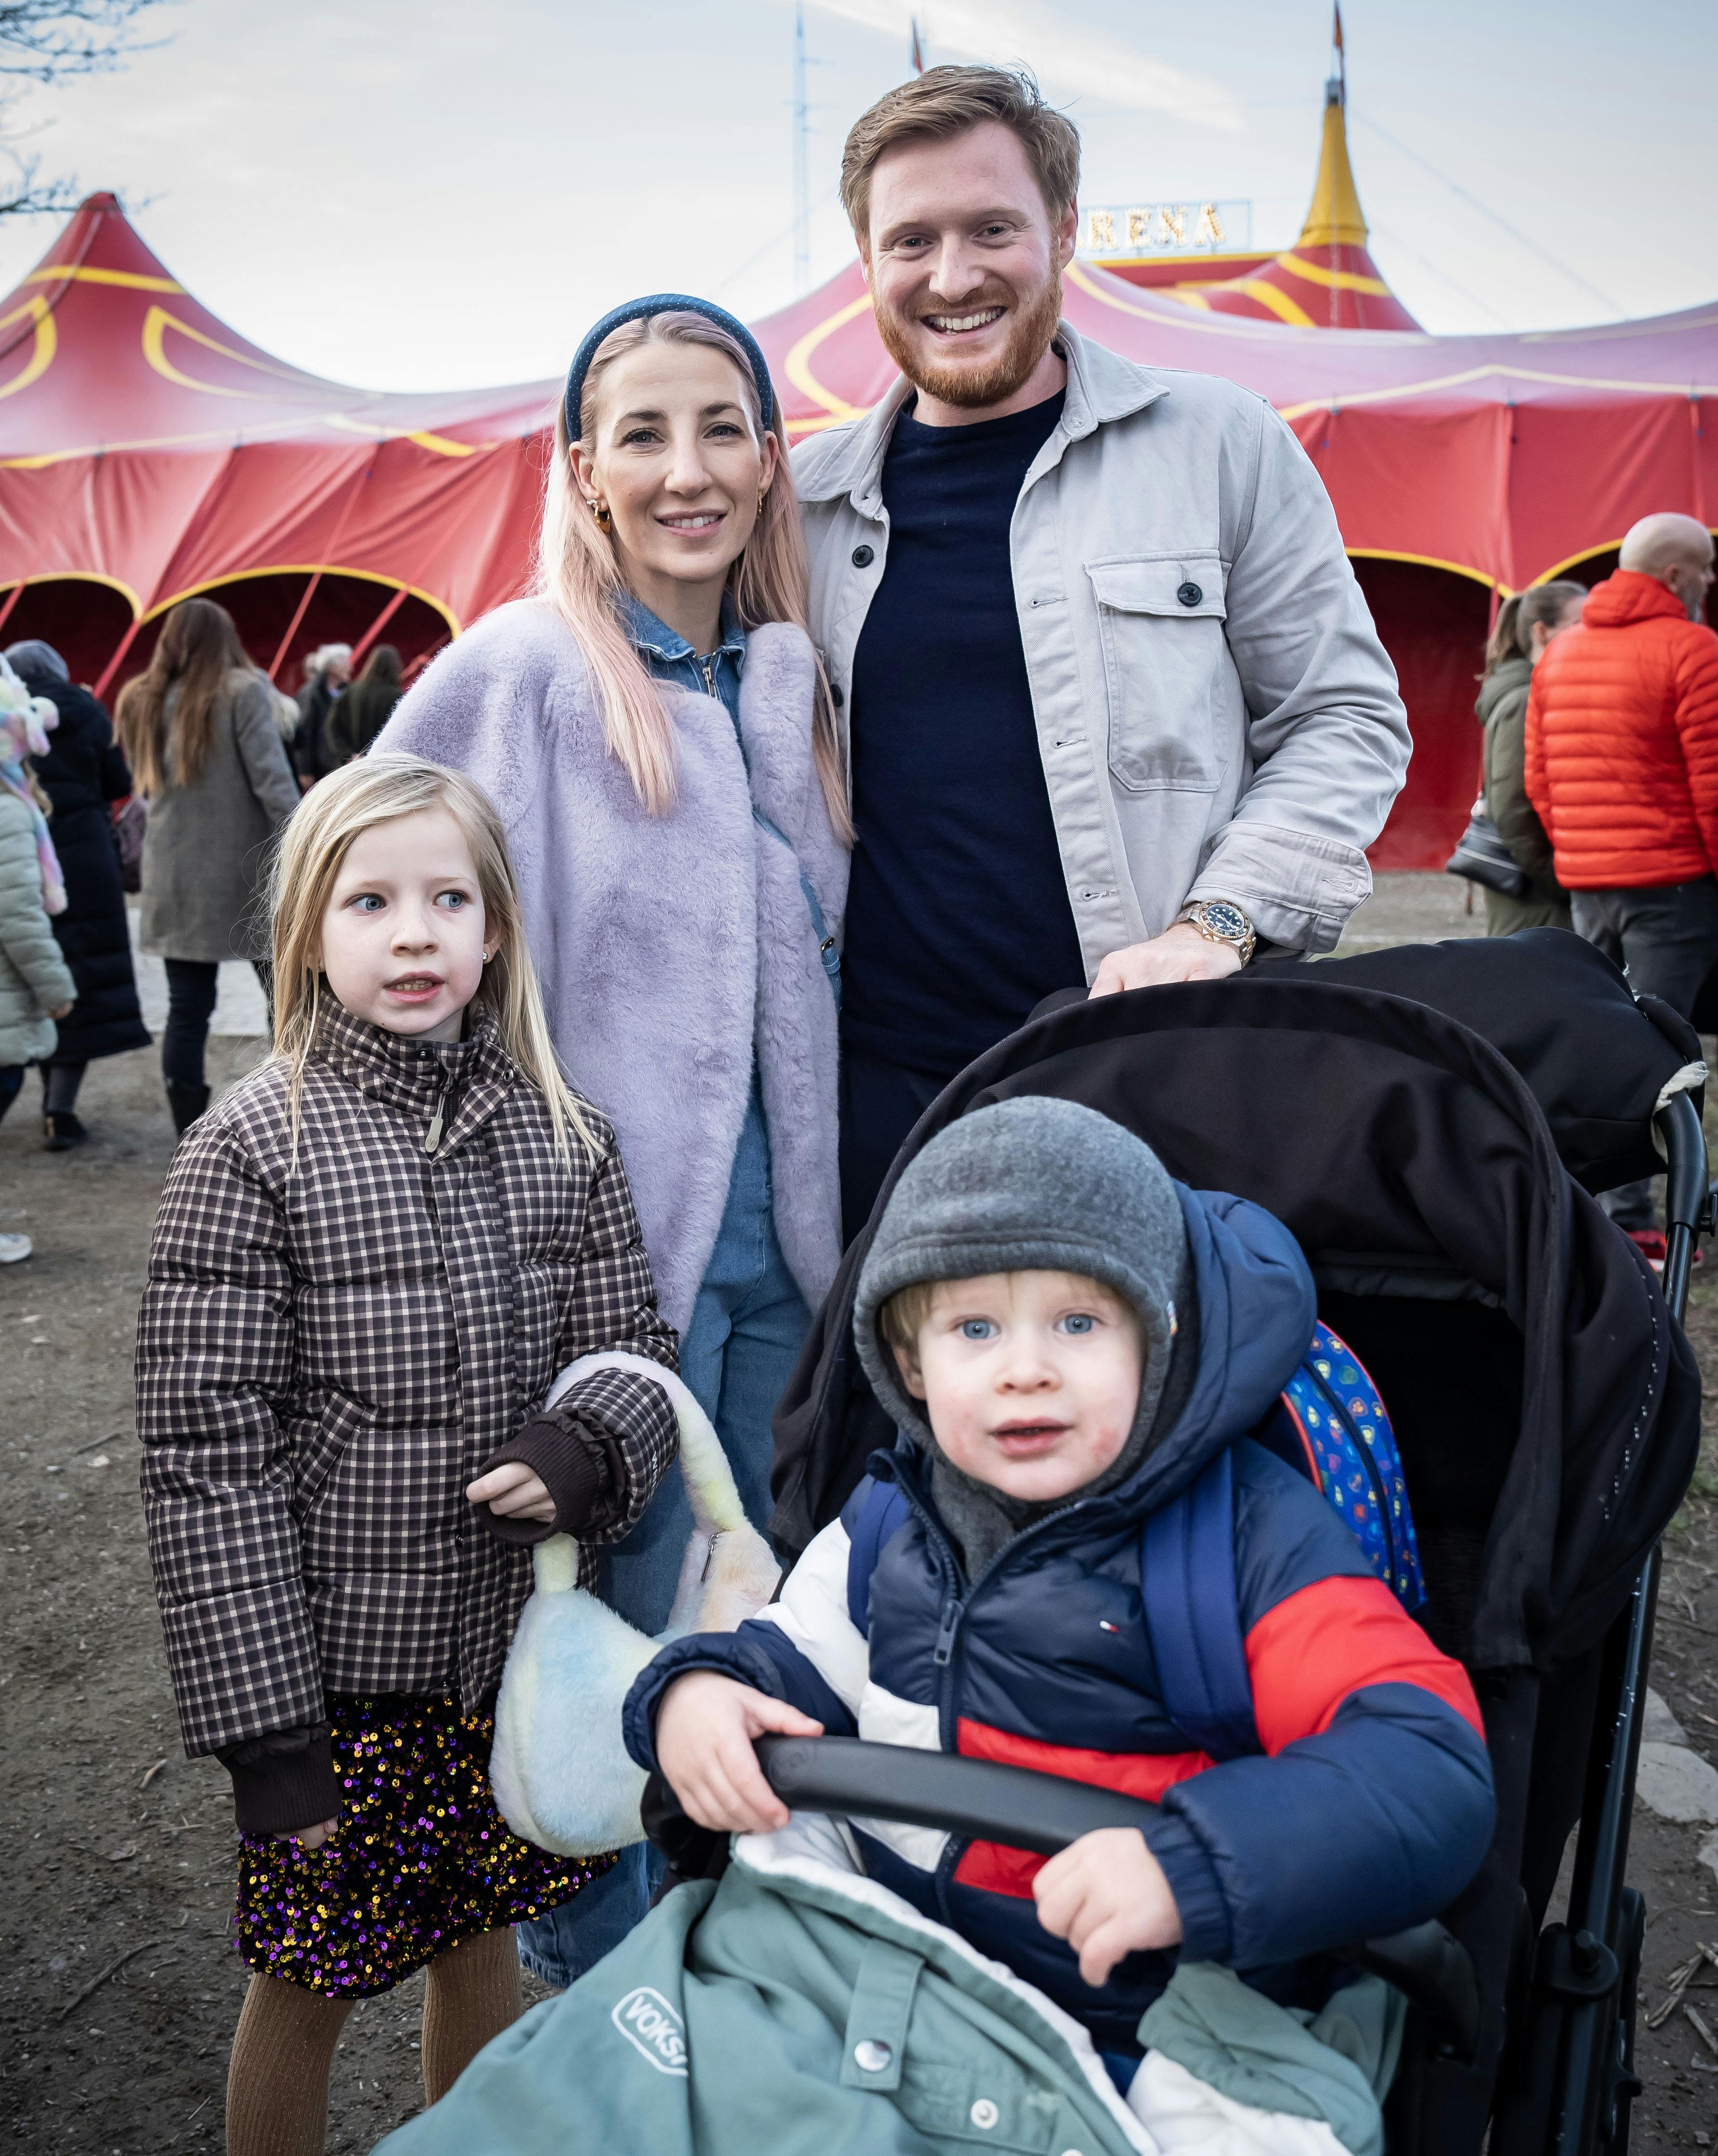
point(1546, 1404)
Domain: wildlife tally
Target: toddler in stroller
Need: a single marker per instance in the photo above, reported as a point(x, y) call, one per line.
point(1068, 1342)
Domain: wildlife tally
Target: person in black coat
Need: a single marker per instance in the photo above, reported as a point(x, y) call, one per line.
point(326, 672)
point(83, 772)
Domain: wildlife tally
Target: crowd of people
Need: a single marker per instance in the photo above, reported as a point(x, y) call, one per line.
point(610, 964)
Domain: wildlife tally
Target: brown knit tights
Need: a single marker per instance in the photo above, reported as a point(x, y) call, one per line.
point(277, 2085)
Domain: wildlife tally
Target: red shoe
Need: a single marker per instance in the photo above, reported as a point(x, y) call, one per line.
point(1650, 1243)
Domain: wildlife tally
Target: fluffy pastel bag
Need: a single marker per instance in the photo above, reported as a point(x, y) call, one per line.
point(560, 1773)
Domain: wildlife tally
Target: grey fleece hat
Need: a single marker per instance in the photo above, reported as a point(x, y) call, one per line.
point(1028, 1185)
point(32, 659)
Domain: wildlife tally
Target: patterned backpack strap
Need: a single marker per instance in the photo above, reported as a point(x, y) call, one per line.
point(1331, 1424)
point(1188, 1596)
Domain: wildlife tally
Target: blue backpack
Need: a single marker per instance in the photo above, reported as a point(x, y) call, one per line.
point(1330, 1424)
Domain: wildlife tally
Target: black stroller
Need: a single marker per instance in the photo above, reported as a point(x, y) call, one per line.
point(1429, 1122)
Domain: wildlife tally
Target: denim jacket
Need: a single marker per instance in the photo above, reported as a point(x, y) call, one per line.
point(670, 658)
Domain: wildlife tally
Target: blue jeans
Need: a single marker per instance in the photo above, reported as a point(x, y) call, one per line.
point(747, 1325)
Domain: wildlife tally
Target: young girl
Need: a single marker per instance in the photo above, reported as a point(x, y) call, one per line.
point(372, 1259)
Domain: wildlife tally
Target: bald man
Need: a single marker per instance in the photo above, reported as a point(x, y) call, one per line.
point(1622, 768)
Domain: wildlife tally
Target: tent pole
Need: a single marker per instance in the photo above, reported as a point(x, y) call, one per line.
point(378, 625)
point(309, 593)
point(112, 665)
point(12, 599)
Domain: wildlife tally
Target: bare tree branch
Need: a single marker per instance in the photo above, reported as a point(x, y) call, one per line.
point(47, 40)
point(51, 41)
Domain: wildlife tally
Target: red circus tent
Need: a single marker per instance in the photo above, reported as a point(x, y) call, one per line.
point(148, 452)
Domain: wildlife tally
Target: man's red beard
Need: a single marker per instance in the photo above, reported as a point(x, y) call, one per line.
point(969, 388)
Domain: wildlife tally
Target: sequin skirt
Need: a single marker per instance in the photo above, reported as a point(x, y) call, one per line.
point(419, 1860)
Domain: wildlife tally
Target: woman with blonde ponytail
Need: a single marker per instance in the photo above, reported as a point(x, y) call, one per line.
point(656, 730)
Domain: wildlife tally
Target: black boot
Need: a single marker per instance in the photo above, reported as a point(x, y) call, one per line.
point(187, 1103)
point(62, 1130)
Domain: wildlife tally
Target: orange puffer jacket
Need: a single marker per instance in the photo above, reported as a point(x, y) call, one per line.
point(1622, 741)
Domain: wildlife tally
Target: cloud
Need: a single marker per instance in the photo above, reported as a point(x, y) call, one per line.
point(1062, 53)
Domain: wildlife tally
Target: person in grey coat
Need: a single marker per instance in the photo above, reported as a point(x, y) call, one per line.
point(199, 728)
point(1116, 710)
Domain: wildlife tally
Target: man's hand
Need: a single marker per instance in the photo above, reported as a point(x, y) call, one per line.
point(309, 1837)
point(1106, 1896)
point(704, 1731)
point(1181, 953)
point(61, 1010)
point(513, 1490)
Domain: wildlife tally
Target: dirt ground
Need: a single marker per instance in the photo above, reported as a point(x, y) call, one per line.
point(119, 1991)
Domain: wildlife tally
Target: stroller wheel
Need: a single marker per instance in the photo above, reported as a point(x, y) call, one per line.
point(1622, 2084)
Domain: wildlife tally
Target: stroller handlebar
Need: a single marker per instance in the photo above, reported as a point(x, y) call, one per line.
point(976, 1798)
point(984, 1801)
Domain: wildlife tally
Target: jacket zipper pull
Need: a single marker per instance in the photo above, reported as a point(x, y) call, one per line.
point(709, 674)
point(946, 1624)
point(434, 1139)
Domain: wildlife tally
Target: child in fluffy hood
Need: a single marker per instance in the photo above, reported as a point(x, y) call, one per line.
point(1066, 1338)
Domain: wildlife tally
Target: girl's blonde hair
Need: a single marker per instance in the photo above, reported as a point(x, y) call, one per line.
point(376, 789)
point(578, 576)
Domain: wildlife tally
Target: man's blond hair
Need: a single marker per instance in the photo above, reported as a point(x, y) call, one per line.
point(945, 101)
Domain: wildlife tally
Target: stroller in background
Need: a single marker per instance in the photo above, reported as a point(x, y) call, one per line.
point(1430, 1123)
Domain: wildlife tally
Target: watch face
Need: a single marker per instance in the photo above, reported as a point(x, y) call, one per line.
point(1226, 920)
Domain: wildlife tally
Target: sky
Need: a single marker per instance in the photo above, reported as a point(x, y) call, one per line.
point(423, 194)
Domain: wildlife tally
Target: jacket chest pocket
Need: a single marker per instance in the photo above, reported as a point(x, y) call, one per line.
point(1166, 670)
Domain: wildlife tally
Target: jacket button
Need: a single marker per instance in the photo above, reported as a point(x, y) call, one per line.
point(863, 556)
point(836, 697)
point(983, 2113)
point(1190, 594)
point(872, 2057)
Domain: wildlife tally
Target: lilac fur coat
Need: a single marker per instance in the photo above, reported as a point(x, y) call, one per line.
point(668, 946)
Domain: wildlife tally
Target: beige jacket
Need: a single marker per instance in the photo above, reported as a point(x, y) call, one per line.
point(1217, 717)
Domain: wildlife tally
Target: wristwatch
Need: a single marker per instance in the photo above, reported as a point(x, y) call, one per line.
point(1218, 921)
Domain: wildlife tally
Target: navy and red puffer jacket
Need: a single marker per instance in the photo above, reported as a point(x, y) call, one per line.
point(1622, 741)
point(1370, 1805)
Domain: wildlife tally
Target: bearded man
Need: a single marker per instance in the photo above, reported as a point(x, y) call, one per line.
point(1115, 708)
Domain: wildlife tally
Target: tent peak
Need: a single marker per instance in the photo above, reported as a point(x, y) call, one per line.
point(1336, 218)
point(103, 202)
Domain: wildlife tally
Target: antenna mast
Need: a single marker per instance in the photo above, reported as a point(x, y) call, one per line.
point(802, 182)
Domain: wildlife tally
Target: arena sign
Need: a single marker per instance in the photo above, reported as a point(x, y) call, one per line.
point(1164, 228)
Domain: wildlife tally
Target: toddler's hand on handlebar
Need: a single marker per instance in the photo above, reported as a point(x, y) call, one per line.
point(705, 1728)
point(1106, 1894)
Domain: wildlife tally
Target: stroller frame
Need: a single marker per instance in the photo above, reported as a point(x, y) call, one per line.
point(1566, 2082)
point(1579, 2064)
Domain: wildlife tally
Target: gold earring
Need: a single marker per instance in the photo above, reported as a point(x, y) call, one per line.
point(763, 493)
point(599, 510)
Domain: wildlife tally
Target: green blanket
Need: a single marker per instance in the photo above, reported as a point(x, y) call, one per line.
point(1335, 2065)
point(789, 2009)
